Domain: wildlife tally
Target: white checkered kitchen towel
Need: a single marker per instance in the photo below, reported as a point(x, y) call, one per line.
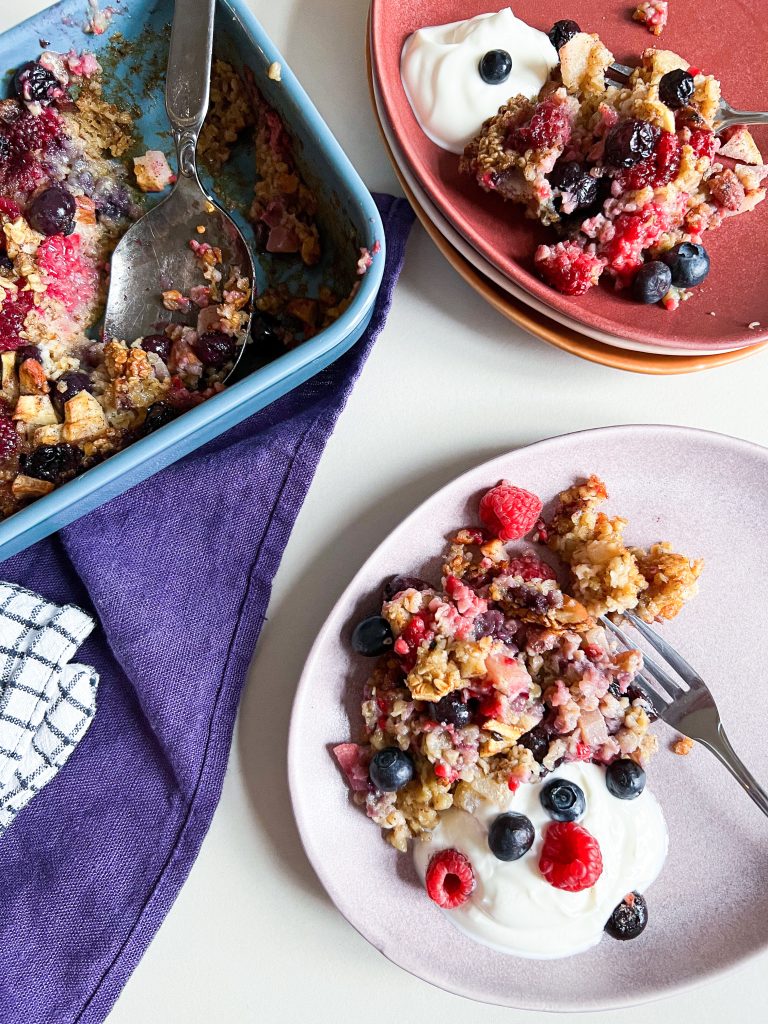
point(46, 704)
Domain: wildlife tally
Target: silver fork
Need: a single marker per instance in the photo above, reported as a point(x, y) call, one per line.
point(686, 703)
point(725, 117)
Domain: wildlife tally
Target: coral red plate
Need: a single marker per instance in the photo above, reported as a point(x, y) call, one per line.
point(736, 288)
point(709, 906)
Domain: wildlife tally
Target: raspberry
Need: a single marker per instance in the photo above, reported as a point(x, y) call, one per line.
point(13, 313)
point(570, 857)
point(412, 636)
point(703, 143)
point(9, 438)
point(550, 125)
point(509, 512)
point(530, 568)
point(635, 232)
point(658, 169)
point(450, 879)
point(71, 276)
point(568, 268)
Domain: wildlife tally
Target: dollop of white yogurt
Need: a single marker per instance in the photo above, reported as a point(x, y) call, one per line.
point(439, 71)
point(514, 909)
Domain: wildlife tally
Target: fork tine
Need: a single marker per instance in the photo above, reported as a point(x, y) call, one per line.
point(651, 667)
point(656, 700)
point(686, 671)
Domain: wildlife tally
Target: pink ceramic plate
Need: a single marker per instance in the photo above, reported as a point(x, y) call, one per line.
point(736, 288)
point(709, 909)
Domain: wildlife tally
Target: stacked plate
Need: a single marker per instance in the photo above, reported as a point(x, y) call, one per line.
point(491, 244)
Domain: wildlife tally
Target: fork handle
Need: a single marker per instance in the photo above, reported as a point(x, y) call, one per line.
point(730, 117)
point(720, 746)
point(188, 81)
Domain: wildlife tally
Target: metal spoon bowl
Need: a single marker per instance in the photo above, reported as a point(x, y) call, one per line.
point(154, 254)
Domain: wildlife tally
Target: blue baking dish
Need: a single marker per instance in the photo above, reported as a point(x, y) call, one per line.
point(348, 220)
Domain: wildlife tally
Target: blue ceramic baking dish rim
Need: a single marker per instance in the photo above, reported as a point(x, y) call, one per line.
point(205, 422)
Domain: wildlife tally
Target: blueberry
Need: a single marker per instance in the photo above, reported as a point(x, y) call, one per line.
point(27, 352)
point(652, 282)
point(537, 741)
point(493, 623)
point(625, 779)
point(53, 462)
point(689, 264)
point(629, 142)
point(160, 344)
point(676, 88)
point(390, 769)
point(451, 710)
point(562, 32)
point(372, 637)
point(629, 918)
point(495, 67)
point(67, 386)
point(563, 800)
point(6, 263)
point(52, 212)
point(32, 82)
point(215, 349)
point(268, 338)
point(158, 415)
point(510, 836)
point(397, 584)
point(573, 178)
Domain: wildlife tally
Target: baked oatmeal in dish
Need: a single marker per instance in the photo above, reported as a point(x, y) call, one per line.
point(629, 176)
point(69, 188)
point(497, 684)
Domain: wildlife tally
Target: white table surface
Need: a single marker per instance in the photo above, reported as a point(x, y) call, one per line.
point(252, 935)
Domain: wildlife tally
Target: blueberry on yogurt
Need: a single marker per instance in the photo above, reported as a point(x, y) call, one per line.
point(563, 800)
point(510, 836)
point(495, 67)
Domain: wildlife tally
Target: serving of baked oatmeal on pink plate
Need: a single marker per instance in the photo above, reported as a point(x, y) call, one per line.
point(477, 772)
point(614, 197)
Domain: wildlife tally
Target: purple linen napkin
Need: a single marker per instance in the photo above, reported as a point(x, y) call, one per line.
point(178, 572)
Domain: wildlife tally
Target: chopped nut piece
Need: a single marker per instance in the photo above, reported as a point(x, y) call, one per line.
point(28, 487)
point(275, 71)
point(32, 379)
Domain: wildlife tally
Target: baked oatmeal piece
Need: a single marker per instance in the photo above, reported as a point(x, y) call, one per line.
point(626, 172)
point(490, 679)
point(683, 746)
point(654, 14)
point(607, 576)
point(672, 581)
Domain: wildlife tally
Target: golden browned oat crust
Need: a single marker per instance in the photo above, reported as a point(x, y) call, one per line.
point(672, 580)
point(102, 126)
point(229, 114)
point(607, 575)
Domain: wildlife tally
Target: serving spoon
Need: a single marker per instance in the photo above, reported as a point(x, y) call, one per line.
point(154, 254)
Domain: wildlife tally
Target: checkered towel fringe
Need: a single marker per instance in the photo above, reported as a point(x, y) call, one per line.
point(46, 704)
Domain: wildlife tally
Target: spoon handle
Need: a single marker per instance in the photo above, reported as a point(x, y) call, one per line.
point(188, 81)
